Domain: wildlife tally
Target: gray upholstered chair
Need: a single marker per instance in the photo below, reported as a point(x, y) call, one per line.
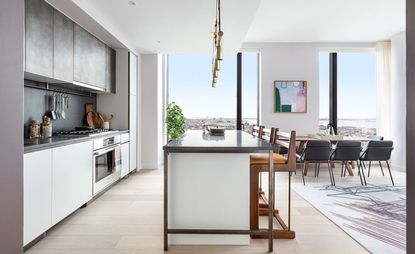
point(318, 151)
point(378, 151)
point(347, 151)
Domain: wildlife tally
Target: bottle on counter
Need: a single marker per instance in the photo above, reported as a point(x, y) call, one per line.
point(35, 129)
point(46, 127)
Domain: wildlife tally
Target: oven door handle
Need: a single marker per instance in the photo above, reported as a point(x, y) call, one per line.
point(106, 150)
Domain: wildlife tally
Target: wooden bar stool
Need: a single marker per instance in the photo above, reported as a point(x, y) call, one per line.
point(258, 164)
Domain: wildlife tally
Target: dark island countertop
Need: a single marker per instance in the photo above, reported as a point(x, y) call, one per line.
point(34, 145)
point(232, 142)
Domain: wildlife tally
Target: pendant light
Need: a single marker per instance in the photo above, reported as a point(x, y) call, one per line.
point(217, 55)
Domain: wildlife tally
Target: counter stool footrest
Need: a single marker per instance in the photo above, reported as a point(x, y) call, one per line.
point(277, 234)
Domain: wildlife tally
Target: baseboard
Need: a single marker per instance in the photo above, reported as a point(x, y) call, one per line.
point(150, 166)
point(395, 167)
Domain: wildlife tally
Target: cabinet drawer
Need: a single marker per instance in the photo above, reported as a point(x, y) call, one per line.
point(125, 137)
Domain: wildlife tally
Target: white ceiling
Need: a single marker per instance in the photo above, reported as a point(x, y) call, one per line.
point(166, 26)
point(327, 20)
point(172, 26)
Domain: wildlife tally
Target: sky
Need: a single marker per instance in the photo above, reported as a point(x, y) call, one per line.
point(356, 85)
point(190, 85)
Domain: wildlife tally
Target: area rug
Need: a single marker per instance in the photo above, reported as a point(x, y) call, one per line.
point(373, 215)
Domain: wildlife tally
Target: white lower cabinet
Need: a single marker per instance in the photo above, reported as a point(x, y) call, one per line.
point(37, 194)
point(125, 159)
point(71, 179)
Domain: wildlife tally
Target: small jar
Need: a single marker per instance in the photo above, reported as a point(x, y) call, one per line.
point(35, 129)
point(46, 127)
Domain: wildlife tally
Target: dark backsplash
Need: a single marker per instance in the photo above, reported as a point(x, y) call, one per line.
point(36, 106)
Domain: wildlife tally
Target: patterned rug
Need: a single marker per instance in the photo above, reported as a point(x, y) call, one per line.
point(374, 215)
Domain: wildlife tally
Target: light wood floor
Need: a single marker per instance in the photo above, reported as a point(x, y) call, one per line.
point(128, 219)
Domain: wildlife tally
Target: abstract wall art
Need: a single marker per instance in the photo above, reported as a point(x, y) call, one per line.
point(290, 96)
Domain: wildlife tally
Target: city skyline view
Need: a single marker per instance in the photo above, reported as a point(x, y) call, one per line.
point(190, 88)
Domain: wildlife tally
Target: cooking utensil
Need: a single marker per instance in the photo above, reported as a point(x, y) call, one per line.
point(59, 98)
point(89, 107)
point(90, 119)
point(53, 104)
point(107, 117)
point(99, 121)
point(63, 106)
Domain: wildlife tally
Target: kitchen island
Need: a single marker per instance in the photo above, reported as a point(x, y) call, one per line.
point(206, 189)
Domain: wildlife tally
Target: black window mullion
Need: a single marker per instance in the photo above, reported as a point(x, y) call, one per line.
point(239, 91)
point(333, 90)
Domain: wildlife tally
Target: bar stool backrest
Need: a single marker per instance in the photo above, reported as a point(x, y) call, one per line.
point(347, 150)
point(317, 150)
point(378, 151)
point(257, 131)
point(268, 134)
point(290, 145)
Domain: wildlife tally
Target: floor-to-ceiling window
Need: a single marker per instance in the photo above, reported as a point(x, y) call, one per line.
point(189, 86)
point(356, 93)
point(250, 103)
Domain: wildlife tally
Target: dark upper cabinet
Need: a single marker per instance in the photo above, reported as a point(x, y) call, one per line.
point(58, 50)
point(110, 70)
point(63, 48)
point(89, 59)
point(39, 38)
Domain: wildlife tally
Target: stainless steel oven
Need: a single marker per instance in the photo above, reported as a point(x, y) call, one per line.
point(106, 162)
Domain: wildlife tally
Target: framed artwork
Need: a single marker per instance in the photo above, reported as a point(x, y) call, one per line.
point(290, 96)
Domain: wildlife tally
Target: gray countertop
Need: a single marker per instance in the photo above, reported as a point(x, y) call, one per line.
point(33, 145)
point(232, 142)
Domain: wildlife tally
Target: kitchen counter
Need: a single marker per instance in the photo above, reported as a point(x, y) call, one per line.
point(232, 142)
point(33, 145)
point(206, 189)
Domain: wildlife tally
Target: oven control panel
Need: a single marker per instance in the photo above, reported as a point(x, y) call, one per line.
point(100, 143)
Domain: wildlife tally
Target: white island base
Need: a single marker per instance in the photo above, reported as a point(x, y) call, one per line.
point(208, 191)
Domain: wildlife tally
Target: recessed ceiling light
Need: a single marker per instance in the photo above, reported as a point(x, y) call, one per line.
point(131, 3)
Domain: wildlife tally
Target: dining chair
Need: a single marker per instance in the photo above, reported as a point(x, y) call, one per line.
point(347, 151)
point(376, 138)
point(318, 151)
point(378, 150)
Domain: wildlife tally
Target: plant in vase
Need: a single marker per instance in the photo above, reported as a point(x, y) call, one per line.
point(175, 121)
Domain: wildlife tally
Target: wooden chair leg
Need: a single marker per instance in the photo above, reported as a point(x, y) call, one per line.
point(254, 199)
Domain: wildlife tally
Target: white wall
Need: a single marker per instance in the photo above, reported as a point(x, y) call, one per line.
point(398, 100)
point(152, 111)
point(139, 110)
point(293, 61)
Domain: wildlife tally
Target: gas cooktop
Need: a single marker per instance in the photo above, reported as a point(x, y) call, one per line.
point(81, 131)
